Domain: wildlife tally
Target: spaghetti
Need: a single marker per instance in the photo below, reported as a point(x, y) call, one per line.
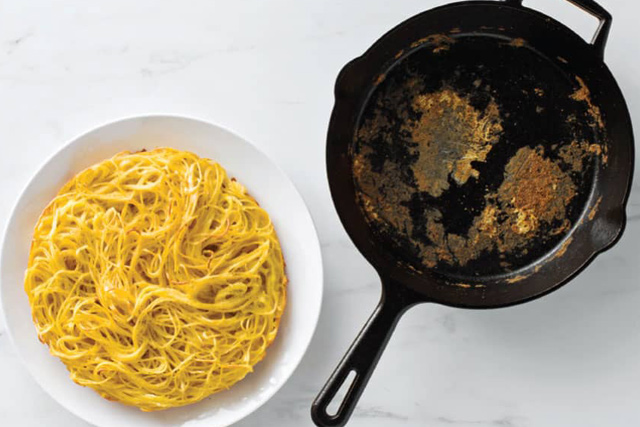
point(156, 279)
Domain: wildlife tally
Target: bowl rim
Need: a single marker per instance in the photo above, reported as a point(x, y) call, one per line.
point(253, 405)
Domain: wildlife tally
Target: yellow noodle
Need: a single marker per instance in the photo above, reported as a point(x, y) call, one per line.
point(156, 279)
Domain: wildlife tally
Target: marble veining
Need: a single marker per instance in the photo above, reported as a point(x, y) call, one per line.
point(501, 422)
point(377, 412)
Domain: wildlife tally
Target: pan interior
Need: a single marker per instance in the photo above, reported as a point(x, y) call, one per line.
point(475, 155)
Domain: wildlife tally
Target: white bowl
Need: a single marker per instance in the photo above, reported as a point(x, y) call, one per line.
point(263, 179)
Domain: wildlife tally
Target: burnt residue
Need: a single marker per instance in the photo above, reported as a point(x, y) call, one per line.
point(463, 285)
point(535, 190)
point(575, 154)
point(594, 210)
point(517, 42)
point(471, 171)
point(437, 42)
point(379, 79)
point(535, 193)
point(448, 137)
point(563, 248)
point(516, 279)
point(383, 195)
point(583, 94)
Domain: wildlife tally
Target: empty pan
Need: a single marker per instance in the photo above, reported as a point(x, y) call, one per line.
point(479, 155)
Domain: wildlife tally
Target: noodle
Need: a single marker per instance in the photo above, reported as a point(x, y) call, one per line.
point(156, 279)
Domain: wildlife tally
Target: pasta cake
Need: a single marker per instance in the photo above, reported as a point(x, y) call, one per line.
point(156, 279)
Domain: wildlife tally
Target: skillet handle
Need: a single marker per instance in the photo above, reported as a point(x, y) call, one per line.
point(361, 358)
point(599, 40)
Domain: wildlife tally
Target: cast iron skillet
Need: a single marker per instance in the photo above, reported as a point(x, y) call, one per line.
point(551, 89)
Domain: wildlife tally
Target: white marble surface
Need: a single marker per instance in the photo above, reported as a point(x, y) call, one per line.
point(266, 70)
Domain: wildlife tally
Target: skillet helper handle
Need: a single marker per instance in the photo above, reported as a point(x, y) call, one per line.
point(361, 358)
point(599, 40)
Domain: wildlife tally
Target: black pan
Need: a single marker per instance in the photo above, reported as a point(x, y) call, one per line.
point(479, 155)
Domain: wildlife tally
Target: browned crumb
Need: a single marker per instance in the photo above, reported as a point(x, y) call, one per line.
point(379, 79)
point(563, 249)
point(440, 42)
point(584, 95)
point(594, 210)
point(462, 285)
point(575, 153)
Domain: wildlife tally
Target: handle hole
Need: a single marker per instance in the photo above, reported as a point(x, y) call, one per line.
point(580, 21)
point(336, 401)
